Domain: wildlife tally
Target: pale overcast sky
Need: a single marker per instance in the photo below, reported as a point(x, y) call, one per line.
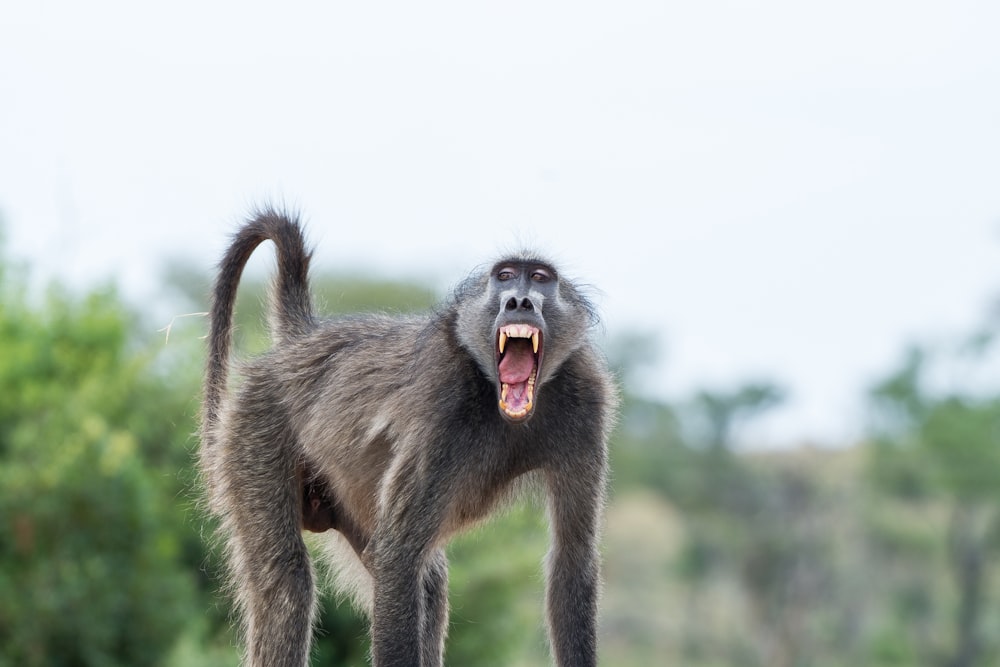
point(776, 189)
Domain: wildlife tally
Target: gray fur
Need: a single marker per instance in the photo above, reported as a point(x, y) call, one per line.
point(388, 431)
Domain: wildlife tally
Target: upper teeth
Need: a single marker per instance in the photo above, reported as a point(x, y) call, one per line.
point(518, 331)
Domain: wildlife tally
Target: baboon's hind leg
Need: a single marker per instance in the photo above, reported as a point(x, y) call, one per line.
point(269, 561)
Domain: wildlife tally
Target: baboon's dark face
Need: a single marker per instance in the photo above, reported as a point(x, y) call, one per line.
point(520, 292)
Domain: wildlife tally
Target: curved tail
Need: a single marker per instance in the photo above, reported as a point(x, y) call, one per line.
point(291, 304)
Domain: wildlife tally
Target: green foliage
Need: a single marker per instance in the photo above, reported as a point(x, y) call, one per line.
point(647, 450)
point(91, 534)
point(497, 591)
point(341, 635)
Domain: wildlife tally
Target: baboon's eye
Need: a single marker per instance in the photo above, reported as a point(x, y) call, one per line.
point(506, 274)
point(541, 276)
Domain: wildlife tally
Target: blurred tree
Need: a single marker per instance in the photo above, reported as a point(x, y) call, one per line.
point(762, 520)
point(648, 450)
point(758, 525)
point(937, 448)
point(722, 412)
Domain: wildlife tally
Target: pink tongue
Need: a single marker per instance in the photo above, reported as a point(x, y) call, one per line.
point(518, 362)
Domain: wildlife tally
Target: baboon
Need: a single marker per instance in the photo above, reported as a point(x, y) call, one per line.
point(395, 433)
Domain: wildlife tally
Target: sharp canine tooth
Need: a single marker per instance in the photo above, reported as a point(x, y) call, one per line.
point(503, 341)
point(534, 341)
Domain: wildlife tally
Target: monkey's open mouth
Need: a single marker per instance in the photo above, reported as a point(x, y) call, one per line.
point(517, 366)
